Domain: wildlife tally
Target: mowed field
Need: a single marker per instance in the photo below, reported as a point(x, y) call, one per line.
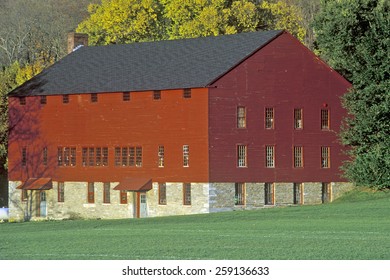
point(354, 227)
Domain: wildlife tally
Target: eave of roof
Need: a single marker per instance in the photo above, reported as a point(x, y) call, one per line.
point(174, 64)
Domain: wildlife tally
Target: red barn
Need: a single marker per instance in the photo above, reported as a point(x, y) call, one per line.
point(176, 127)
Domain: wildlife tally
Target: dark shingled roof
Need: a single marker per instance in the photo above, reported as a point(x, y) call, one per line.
point(173, 64)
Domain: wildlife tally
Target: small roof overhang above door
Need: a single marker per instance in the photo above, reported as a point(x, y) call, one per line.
point(36, 184)
point(134, 184)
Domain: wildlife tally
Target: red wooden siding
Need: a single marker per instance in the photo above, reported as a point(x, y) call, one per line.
point(283, 75)
point(172, 121)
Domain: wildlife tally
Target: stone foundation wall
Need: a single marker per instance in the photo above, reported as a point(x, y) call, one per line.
point(174, 197)
point(205, 198)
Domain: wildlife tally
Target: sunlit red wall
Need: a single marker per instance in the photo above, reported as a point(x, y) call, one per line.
point(173, 121)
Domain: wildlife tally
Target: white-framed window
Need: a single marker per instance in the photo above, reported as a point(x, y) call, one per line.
point(270, 156)
point(241, 156)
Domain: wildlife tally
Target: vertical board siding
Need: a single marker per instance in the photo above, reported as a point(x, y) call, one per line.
point(172, 121)
point(283, 75)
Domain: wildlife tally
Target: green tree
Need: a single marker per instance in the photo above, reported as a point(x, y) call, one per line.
point(354, 37)
point(281, 15)
point(123, 21)
point(7, 83)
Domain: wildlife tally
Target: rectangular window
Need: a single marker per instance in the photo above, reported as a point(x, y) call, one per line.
point(91, 156)
point(94, 97)
point(326, 192)
point(187, 193)
point(65, 99)
point(106, 193)
point(123, 197)
point(270, 156)
point(61, 192)
point(98, 158)
point(59, 156)
point(24, 156)
point(239, 194)
point(125, 157)
point(298, 118)
point(325, 157)
point(298, 193)
point(131, 156)
point(117, 156)
point(186, 155)
point(241, 156)
point(298, 156)
point(126, 96)
point(241, 117)
point(85, 156)
point(325, 120)
point(66, 156)
point(24, 195)
point(162, 194)
point(269, 118)
point(73, 156)
point(105, 156)
point(160, 156)
point(138, 156)
point(91, 193)
point(269, 193)
point(187, 93)
point(43, 99)
point(157, 95)
point(44, 156)
point(22, 100)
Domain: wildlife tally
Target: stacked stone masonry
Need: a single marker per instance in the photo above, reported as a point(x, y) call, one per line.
point(205, 198)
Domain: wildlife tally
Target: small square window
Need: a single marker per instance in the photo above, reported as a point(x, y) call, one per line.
point(187, 93)
point(22, 100)
point(94, 97)
point(126, 96)
point(157, 95)
point(65, 99)
point(43, 99)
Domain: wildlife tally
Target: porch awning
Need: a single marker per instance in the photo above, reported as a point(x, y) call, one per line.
point(134, 184)
point(36, 184)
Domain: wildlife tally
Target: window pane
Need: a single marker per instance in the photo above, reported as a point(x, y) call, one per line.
point(138, 160)
point(298, 120)
point(298, 156)
point(325, 119)
point(239, 196)
point(270, 156)
point(160, 156)
point(241, 117)
point(186, 155)
point(241, 156)
point(124, 157)
point(131, 156)
point(187, 93)
point(325, 157)
point(269, 118)
point(123, 197)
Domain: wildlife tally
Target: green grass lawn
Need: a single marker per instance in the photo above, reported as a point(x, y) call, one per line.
point(356, 226)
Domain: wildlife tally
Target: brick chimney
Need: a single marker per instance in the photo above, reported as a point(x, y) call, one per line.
point(76, 39)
